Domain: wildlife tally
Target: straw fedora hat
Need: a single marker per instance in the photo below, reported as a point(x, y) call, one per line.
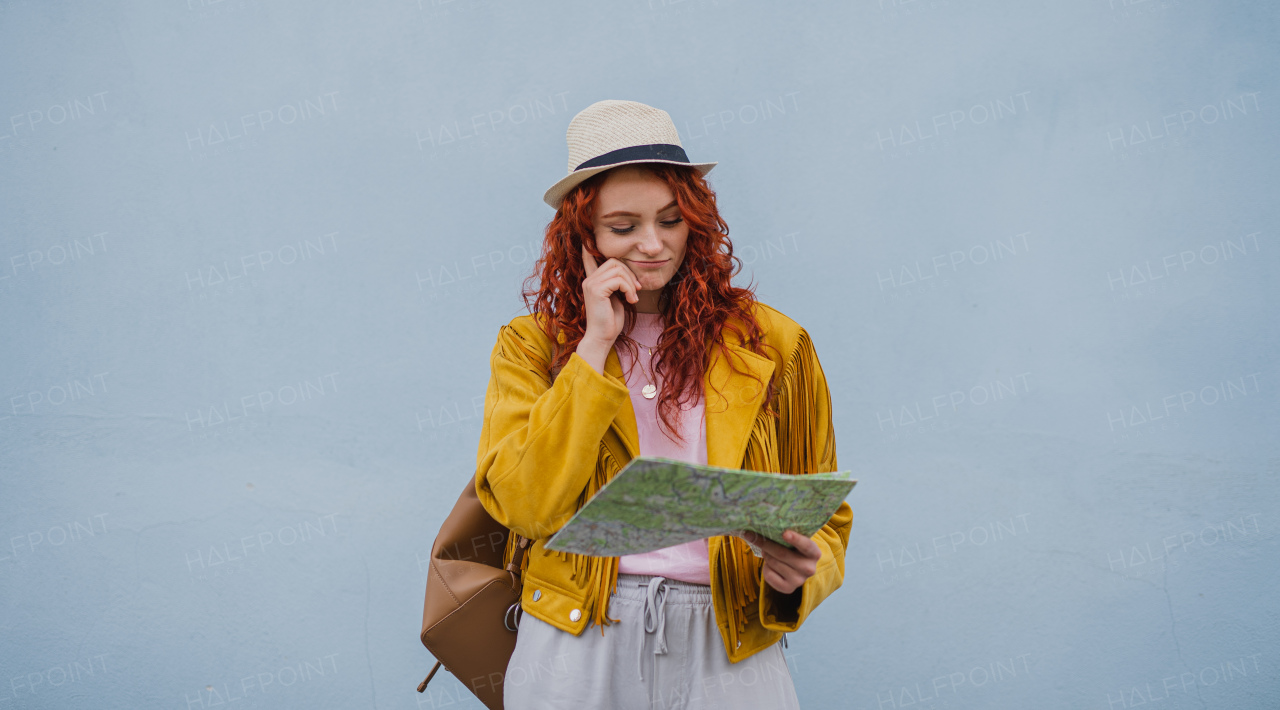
point(610, 133)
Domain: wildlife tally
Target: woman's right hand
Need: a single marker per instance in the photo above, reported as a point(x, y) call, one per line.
point(605, 313)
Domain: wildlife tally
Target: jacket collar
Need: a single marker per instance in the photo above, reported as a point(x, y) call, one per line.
point(730, 412)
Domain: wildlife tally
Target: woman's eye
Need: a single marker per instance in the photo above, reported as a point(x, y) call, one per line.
point(672, 222)
point(621, 230)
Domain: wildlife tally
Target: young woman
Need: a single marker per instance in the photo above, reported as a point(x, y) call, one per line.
point(637, 344)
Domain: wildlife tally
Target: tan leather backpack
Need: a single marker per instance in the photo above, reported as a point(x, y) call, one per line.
point(472, 606)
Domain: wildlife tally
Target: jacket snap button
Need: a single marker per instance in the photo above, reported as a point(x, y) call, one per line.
point(575, 615)
point(537, 594)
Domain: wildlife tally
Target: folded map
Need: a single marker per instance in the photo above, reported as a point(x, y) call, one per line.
point(656, 502)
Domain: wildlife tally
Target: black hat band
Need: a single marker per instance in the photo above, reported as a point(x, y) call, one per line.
point(654, 151)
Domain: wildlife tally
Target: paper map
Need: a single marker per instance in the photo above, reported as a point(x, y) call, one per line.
point(655, 502)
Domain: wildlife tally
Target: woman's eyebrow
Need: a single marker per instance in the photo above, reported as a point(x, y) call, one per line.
point(622, 213)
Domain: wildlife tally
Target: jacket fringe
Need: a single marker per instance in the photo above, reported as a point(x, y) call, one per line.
point(786, 420)
point(798, 403)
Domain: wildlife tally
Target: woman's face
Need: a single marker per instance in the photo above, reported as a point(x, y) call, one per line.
point(638, 222)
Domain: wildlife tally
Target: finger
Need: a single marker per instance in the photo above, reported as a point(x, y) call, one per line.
point(619, 283)
point(793, 566)
point(778, 582)
point(792, 576)
point(632, 289)
point(803, 565)
point(804, 545)
point(588, 261)
point(631, 272)
point(622, 268)
point(626, 279)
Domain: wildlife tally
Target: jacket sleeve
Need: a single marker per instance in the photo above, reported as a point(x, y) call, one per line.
point(807, 444)
point(540, 441)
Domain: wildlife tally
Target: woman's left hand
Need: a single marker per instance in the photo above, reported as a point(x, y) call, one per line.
point(786, 569)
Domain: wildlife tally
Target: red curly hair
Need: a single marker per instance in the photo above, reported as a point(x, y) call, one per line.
point(697, 304)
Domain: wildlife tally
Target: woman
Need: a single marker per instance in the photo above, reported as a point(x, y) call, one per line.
point(637, 344)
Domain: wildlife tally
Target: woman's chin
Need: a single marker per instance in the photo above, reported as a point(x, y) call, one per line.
point(656, 283)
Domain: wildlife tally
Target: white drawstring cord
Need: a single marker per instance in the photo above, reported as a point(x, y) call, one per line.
point(655, 619)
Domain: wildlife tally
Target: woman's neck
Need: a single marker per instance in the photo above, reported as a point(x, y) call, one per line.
point(647, 325)
point(648, 317)
point(648, 301)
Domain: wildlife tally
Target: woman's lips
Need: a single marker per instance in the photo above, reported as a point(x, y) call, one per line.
point(650, 264)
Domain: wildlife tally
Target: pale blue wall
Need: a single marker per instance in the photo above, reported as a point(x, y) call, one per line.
point(958, 199)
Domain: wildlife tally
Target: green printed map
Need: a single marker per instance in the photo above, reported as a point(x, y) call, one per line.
point(655, 502)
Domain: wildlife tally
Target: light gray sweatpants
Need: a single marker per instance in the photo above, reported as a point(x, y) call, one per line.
point(665, 653)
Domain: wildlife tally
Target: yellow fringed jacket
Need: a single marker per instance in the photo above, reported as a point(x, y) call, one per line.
point(546, 447)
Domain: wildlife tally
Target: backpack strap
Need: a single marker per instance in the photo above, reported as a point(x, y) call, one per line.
point(517, 558)
point(423, 685)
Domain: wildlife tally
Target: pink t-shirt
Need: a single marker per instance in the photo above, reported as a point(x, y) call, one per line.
point(689, 562)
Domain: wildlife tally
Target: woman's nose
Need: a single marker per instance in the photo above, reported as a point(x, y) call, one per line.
point(649, 243)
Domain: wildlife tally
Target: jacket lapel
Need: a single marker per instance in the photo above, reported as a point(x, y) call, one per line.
point(730, 412)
